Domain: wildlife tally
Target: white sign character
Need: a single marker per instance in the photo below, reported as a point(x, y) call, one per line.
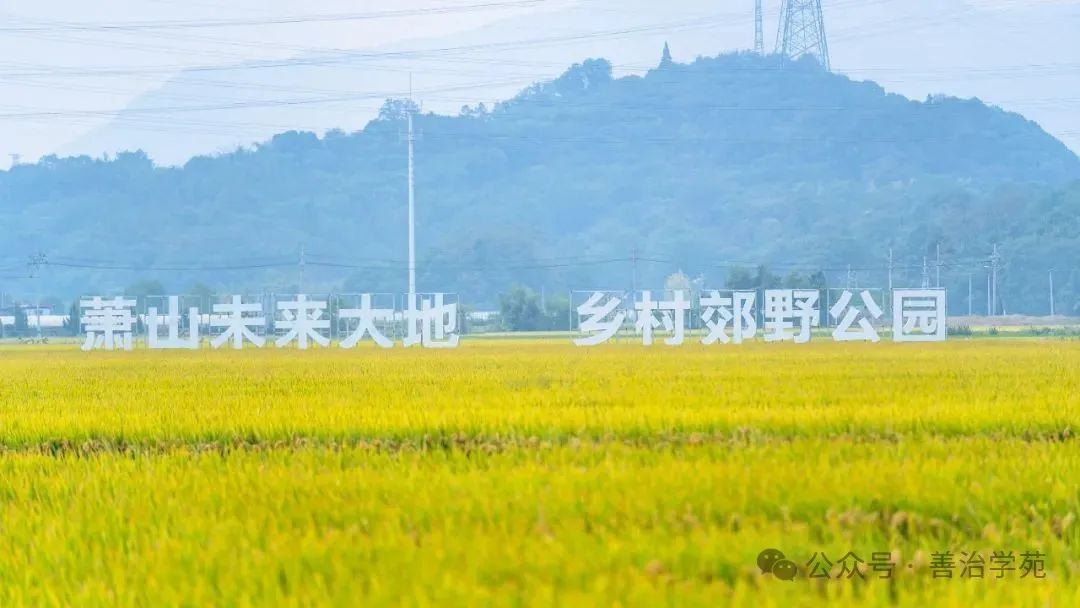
point(785, 306)
point(171, 320)
point(646, 320)
point(366, 317)
point(434, 324)
point(675, 311)
point(866, 332)
point(919, 315)
point(304, 320)
point(235, 317)
point(602, 321)
point(672, 317)
point(109, 324)
point(737, 311)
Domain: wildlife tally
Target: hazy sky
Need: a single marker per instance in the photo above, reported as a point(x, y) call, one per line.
point(180, 77)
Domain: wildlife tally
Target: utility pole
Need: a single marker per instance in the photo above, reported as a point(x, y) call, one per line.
point(634, 258)
point(1051, 292)
point(937, 278)
point(994, 281)
point(970, 303)
point(36, 262)
point(759, 30)
point(989, 295)
point(850, 277)
point(925, 274)
point(890, 269)
point(412, 205)
point(300, 268)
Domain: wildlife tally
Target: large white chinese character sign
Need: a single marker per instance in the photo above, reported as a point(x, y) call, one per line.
point(784, 309)
point(241, 319)
point(672, 317)
point(172, 322)
point(734, 310)
point(109, 324)
point(367, 315)
point(431, 320)
point(919, 315)
point(600, 317)
point(301, 320)
point(855, 321)
point(434, 320)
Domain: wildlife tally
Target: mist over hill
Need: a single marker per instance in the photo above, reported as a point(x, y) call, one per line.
point(726, 162)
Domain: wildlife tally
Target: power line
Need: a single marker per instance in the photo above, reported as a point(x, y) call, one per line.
point(169, 268)
point(295, 19)
point(707, 140)
point(158, 120)
point(562, 262)
point(44, 25)
point(345, 56)
point(233, 106)
point(511, 103)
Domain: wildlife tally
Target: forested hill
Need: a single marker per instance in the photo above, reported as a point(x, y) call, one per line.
point(734, 159)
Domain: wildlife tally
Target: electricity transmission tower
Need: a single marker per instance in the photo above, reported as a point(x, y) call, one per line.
point(802, 31)
point(759, 30)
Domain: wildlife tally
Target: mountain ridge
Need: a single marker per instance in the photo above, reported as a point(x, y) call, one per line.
point(727, 159)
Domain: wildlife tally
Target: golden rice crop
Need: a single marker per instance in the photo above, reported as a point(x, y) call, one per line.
point(534, 473)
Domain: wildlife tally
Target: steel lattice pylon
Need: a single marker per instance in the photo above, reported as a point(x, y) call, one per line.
point(802, 31)
point(759, 33)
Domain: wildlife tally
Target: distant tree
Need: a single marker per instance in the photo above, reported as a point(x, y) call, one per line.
point(815, 280)
point(677, 282)
point(22, 323)
point(740, 278)
point(139, 290)
point(557, 313)
point(765, 279)
point(794, 280)
point(146, 287)
point(473, 112)
point(519, 309)
point(397, 109)
point(72, 322)
point(294, 143)
point(464, 325)
point(202, 291)
point(581, 77)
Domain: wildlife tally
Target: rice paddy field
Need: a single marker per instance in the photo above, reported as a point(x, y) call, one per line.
point(531, 473)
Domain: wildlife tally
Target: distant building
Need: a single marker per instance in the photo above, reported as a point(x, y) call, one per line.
point(50, 324)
